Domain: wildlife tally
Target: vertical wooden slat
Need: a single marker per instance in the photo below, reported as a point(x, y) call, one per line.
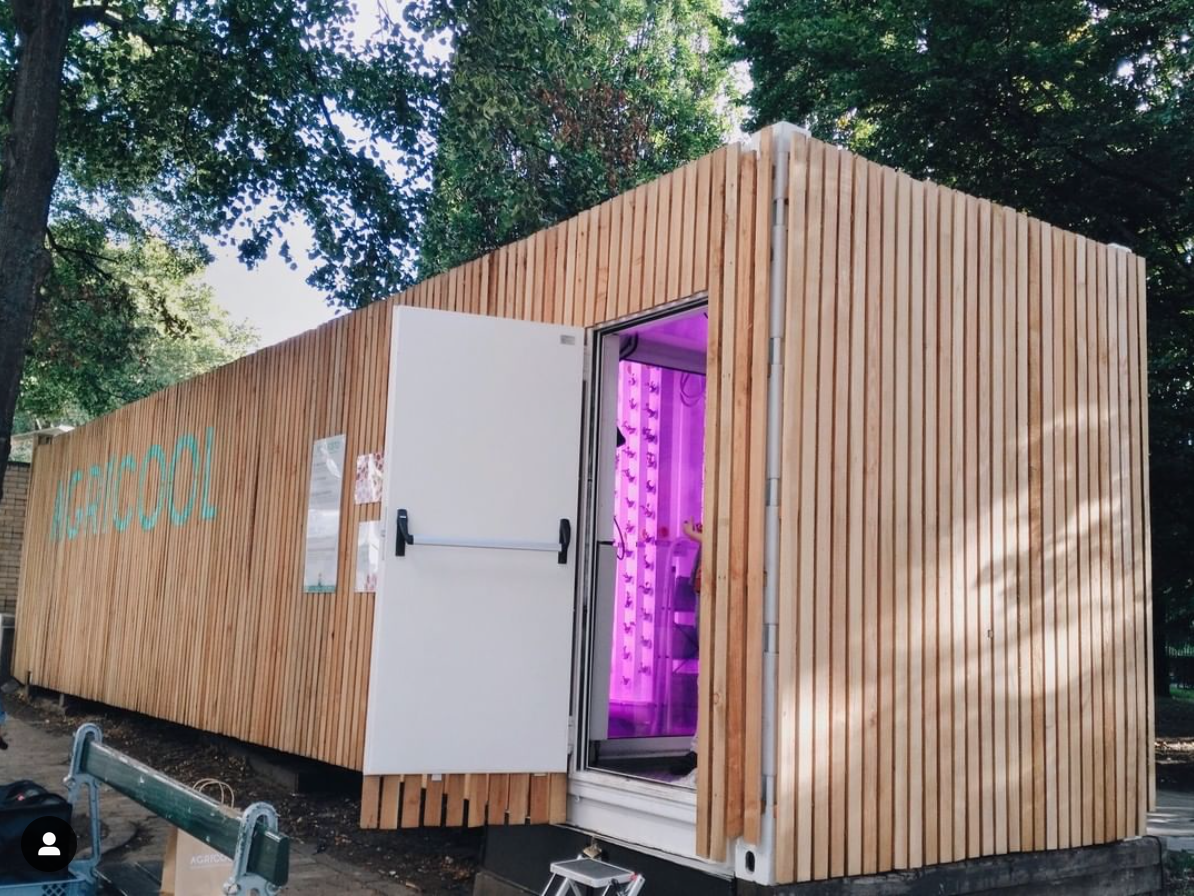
point(676, 228)
point(1107, 586)
point(856, 576)
point(412, 800)
point(613, 260)
point(1048, 546)
point(1012, 551)
point(741, 475)
point(540, 793)
point(870, 546)
point(1073, 665)
point(1136, 461)
point(1091, 700)
point(497, 796)
point(1145, 522)
point(810, 303)
point(557, 799)
point(1059, 646)
point(518, 804)
point(998, 509)
point(1124, 516)
point(706, 741)
point(976, 630)
point(902, 562)
point(823, 598)
point(759, 267)
point(788, 773)
point(687, 226)
point(947, 650)
point(433, 802)
point(838, 477)
point(592, 287)
point(1023, 534)
point(391, 794)
point(648, 294)
point(723, 520)
point(916, 514)
point(887, 527)
point(454, 816)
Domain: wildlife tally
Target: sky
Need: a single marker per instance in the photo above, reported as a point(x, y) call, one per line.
point(275, 300)
point(272, 297)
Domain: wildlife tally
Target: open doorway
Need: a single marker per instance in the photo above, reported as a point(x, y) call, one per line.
point(650, 494)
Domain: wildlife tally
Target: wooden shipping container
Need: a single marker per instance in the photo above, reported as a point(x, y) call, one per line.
point(936, 415)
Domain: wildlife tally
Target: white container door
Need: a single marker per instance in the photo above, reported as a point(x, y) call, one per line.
point(472, 631)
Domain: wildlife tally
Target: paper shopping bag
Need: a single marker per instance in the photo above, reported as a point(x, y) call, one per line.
point(191, 867)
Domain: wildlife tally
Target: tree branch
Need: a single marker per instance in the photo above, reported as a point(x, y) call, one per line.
point(153, 35)
point(94, 14)
point(86, 256)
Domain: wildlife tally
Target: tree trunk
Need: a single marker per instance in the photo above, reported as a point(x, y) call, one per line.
point(28, 171)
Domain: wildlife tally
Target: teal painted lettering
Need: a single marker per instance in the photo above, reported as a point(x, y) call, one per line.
point(59, 511)
point(208, 510)
point(149, 520)
point(72, 529)
point(106, 523)
point(185, 442)
point(95, 497)
point(122, 522)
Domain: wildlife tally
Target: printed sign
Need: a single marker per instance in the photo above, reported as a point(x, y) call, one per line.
point(366, 488)
point(323, 515)
point(368, 556)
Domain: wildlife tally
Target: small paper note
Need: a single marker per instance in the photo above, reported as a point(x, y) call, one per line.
point(368, 556)
point(367, 487)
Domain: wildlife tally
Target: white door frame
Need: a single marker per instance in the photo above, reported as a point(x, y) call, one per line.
point(650, 816)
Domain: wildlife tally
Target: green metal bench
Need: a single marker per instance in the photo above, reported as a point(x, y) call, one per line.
point(260, 855)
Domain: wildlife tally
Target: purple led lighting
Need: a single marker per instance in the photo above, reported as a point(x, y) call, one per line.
point(660, 485)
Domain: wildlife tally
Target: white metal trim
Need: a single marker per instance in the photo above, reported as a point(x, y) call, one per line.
point(658, 819)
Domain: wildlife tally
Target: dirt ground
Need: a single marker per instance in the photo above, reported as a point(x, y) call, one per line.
point(441, 861)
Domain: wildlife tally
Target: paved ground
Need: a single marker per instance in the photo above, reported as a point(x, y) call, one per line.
point(1174, 819)
point(135, 837)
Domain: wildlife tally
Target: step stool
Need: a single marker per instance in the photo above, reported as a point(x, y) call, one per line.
point(592, 874)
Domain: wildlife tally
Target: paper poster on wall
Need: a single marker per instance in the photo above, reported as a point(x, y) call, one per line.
point(323, 515)
point(367, 486)
point(368, 556)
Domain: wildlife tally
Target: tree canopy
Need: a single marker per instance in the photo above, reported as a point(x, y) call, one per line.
point(232, 117)
point(177, 119)
point(1077, 112)
point(553, 106)
point(120, 323)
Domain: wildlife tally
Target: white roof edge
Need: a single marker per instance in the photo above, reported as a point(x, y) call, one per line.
point(51, 431)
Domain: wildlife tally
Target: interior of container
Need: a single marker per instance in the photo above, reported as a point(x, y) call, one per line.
point(644, 715)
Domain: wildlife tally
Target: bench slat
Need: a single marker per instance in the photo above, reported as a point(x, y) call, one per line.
point(190, 811)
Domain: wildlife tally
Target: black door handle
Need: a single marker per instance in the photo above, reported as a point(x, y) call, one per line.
point(565, 540)
point(404, 537)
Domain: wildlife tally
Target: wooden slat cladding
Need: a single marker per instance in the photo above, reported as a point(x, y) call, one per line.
point(964, 627)
point(206, 624)
point(964, 619)
point(390, 802)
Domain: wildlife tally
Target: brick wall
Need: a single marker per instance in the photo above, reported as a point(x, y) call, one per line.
point(12, 530)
